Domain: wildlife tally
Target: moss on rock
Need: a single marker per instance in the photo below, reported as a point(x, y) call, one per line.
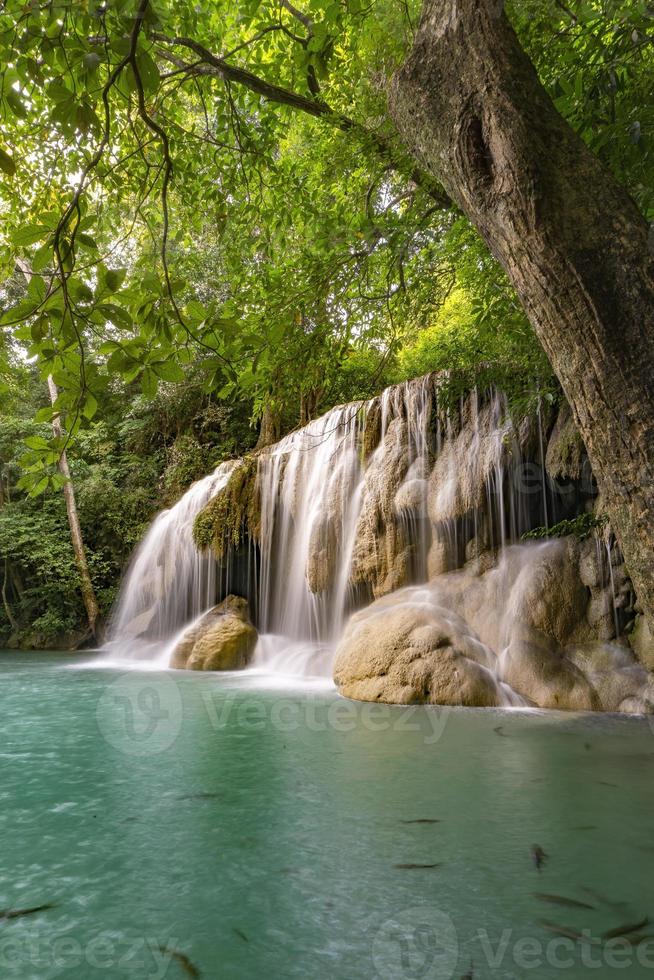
point(234, 511)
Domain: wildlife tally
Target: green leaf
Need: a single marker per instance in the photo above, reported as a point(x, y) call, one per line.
point(36, 442)
point(149, 383)
point(117, 315)
point(148, 72)
point(40, 487)
point(16, 104)
point(29, 234)
point(7, 164)
point(168, 371)
point(114, 278)
point(90, 406)
point(42, 258)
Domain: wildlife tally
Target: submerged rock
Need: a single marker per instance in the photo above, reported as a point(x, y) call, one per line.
point(407, 653)
point(223, 639)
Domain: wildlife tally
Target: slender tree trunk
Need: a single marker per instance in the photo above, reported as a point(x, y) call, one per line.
point(5, 581)
point(575, 246)
point(86, 585)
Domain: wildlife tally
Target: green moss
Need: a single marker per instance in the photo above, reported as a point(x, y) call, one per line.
point(582, 527)
point(232, 514)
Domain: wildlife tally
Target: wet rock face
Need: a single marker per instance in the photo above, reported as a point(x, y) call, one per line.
point(404, 654)
point(566, 454)
point(523, 624)
point(223, 639)
point(382, 548)
point(536, 667)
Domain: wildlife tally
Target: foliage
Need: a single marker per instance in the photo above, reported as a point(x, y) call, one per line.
point(581, 527)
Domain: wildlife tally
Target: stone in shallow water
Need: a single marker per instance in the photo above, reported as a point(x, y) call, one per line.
point(223, 639)
point(407, 654)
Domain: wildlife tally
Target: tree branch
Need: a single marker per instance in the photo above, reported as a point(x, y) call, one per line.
point(211, 64)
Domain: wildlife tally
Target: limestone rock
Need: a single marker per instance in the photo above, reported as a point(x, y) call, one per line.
point(382, 550)
point(548, 594)
point(613, 671)
point(566, 454)
point(457, 484)
point(406, 654)
point(223, 639)
point(534, 665)
point(642, 642)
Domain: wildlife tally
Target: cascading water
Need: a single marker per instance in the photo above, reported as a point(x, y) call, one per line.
point(371, 497)
point(169, 582)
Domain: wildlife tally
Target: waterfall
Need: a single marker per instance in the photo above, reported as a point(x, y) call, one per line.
point(367, 499)
point(169, 582)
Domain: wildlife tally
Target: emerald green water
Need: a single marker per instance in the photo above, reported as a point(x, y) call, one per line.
point(256, 829)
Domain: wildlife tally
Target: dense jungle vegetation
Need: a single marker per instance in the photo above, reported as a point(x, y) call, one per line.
point(211, 232)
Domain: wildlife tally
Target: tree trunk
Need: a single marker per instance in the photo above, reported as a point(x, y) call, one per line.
point(270, 429)
point(86, 585)
point(469, 103)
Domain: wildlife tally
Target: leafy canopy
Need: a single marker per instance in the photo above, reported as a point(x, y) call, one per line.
point(217, 186)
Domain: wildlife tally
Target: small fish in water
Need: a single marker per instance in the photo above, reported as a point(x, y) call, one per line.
point(421, 820)
point(587, 746)
point(603, 782)
point(561, 930)
point(562, 900)
point(538, 856)
point(198, 796)
point(626, 929)
point(240, 934)
point(638, 938)
point(415, 867)
point(470, 975)
point(603, 900)
point(498, 731)
point(17, 913)
point(585, 826)
point(190, 969)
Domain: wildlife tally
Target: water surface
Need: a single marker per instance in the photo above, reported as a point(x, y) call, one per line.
point(256, 826)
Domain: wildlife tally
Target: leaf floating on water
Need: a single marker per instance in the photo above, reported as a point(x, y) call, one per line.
point(421, 820)
point(189, 968)
point(415, 867)
point(625, 929)
point(562, 900)
point(17, 913)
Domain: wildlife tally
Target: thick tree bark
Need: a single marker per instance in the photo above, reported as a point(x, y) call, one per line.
point(575, 246)
point(86, 585)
